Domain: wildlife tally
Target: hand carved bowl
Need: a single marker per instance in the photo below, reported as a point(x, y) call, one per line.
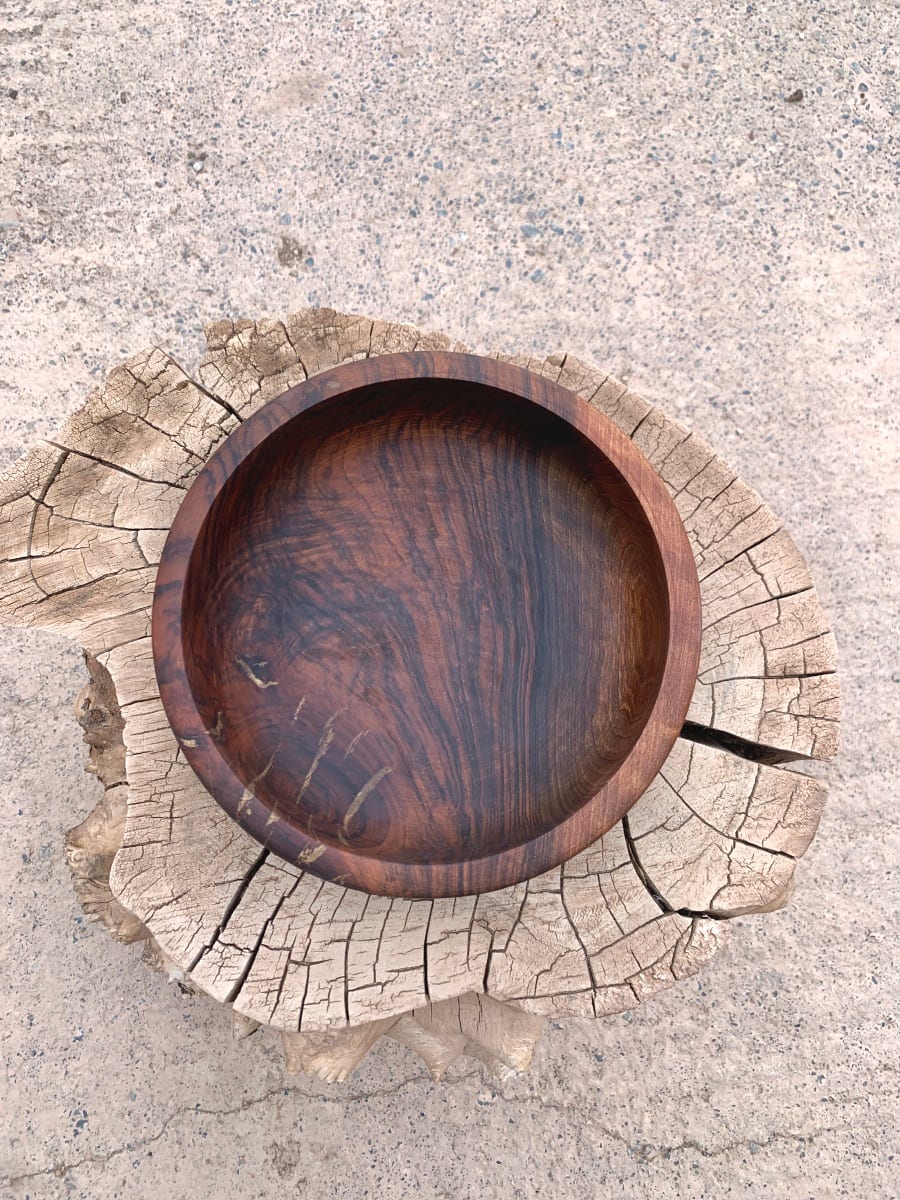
point(426, 625)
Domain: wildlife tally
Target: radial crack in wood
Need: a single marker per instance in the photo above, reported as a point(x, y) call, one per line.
point(769, 675)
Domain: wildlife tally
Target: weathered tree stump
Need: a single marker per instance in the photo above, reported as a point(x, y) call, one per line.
point(83, 519)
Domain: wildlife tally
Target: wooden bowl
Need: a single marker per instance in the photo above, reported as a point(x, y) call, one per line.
point(426, 625)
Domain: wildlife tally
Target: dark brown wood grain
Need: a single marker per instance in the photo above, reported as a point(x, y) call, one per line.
point(426, 624)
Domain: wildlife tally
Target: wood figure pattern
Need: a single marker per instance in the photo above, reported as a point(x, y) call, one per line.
point(427, 620)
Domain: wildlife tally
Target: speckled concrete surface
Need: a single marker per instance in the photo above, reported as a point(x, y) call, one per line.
point(627, 182)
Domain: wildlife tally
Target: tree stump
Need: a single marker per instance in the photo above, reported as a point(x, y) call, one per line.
point(83, 520)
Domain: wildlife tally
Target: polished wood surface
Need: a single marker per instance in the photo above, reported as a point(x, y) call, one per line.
point(426, 624)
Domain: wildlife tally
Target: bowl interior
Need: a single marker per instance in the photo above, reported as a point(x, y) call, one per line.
point(426, 622)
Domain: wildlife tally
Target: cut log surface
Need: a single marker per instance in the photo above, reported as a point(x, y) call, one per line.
point(82, 523)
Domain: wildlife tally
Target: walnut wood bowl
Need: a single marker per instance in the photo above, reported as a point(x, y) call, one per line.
point(426, 625)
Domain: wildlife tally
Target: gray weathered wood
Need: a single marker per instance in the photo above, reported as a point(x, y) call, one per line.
point(82, 524)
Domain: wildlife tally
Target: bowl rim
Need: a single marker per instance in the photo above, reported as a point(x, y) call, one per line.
point(512, 865)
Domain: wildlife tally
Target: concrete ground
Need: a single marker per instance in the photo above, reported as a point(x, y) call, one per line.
point(633, 183)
